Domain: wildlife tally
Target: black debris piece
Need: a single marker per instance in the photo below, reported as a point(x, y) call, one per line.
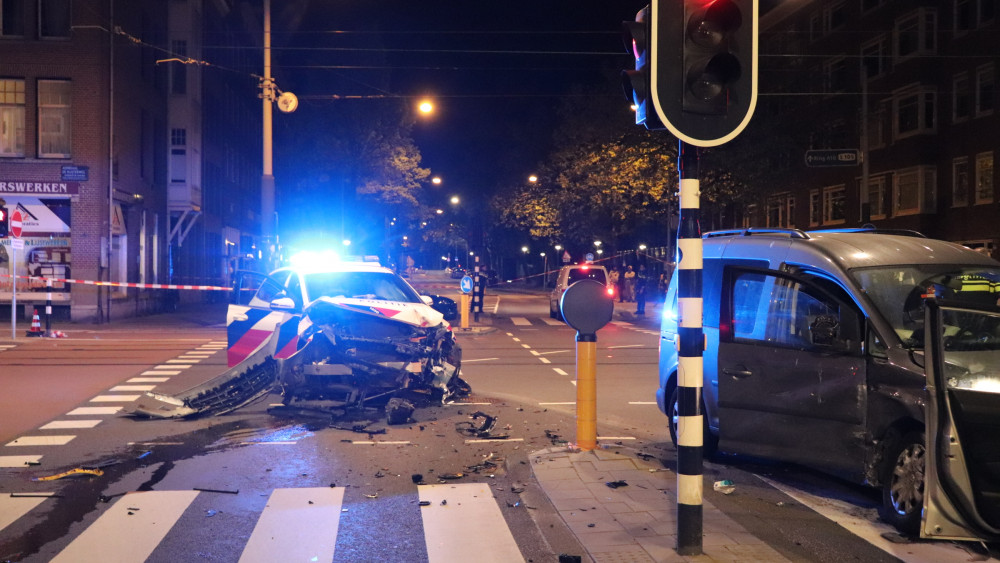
point(451, 476)
point(425, 503)
point(223, 491)
point(398, 411)
point(616, 484)
point(564, 558)
point(417, 478)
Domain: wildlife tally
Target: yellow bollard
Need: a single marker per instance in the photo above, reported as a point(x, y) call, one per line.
point(586, 392)
point(464, 305)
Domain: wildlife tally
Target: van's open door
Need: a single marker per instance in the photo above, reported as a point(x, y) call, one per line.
point(962, 475)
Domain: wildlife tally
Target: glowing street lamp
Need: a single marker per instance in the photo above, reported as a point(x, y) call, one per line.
point(532, 178)
point(425, 107)
point(454, 200)
point(436, 180)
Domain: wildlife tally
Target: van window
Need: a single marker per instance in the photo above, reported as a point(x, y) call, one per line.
point(778, 311)
point(577, 274)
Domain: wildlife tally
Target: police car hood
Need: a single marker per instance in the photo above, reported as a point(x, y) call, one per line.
point(414, 314)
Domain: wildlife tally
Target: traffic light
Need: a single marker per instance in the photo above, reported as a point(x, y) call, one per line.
point(638, 83)
point(704, 72)
point(4, 222)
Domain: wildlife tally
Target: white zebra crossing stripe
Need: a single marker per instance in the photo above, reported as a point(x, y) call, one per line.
point(296, 525)
point(520, 321)
point(469, 527)
point(123, 388)
point(90, 411)
point(65, 424)
point(14, 507)
point(42, 440)
point(138, 522)
point(161, 372)
point(553, 322)
point(114, 398)
point(18, 460)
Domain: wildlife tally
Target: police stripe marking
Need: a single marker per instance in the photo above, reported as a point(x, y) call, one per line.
point(469, 527)
point(296, 525)
point(90, 411)
point(65, 424)
point(138, 522)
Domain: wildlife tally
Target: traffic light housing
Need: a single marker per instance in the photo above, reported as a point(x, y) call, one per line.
point(4, 222)
point(704, 67)
point(638, 83)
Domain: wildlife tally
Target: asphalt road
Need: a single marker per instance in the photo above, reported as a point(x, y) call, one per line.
point(215, 478)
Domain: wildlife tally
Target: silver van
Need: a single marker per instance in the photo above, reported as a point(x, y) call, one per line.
point(817, 353)
point(568, 275)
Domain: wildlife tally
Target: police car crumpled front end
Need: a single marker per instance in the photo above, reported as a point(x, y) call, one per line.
point(348, 352)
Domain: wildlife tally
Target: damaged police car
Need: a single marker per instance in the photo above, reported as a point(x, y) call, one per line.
point(338, 333)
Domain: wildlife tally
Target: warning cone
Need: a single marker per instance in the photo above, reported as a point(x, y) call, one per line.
point(36, 325)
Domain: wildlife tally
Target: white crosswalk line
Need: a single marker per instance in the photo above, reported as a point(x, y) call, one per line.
point(137, 523)
point(18, 460)
point(469, 527)
point(54, 440)
point(13, 507)
point(64, 424)
point(90, 411)
point(296, 525)
point(520, 321)
point(553, 322)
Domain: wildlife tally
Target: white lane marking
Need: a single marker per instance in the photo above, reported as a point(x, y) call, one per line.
point(573, 381)
point(516, 339)
point(18, 461)
point(616, 437)
point(14, 507)
point(54, 440)
point(535, 353)
point(114, 398)
point(269, 443)
point(545, 360)
point(122, 388)
point(176, 361)
point(464, 361)
point(483, 440)
point(621, 323)
point(553, 322)
point(64, 424)
point(164, 366)
point(130, 529)
point(90, 411)
point(148, 379)
point(296, 525)
point(626, 346)
point(555, 352)
point(642, 402)
point(520, 321)
point(464, 404)
point(843, 513)
point(560, 371)
point(525, 346)
point(497, 306)
point(564, 403)
point(380, 443)
point(510, 334)
point(161, 372)
point(470, 527)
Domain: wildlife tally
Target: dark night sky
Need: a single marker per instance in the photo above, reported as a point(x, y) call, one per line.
point(496, 69)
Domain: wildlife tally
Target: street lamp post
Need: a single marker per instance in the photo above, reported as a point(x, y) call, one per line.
point(545, 269)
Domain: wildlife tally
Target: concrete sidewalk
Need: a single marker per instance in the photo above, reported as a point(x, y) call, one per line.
point(637, 522)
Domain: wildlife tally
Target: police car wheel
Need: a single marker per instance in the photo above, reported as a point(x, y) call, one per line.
point(903, 484)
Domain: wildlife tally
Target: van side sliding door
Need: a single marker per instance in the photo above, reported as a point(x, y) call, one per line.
point(792, 382)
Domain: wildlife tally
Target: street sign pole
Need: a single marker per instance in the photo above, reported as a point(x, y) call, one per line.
point(15, 244)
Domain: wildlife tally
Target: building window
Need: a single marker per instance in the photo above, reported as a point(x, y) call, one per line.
point(814, 28)
point(815, 208)
point(835, 75)
point(876, 128)
point(834, 198)
point(960, 182)
point(965, 16)
point(11, 117)
point(987, 12)
point(984, 177)
point(961, 98)
point(985, 90)
point(781, 211)
point(54, 119)
point(915, 34)
point(834, 17)
point(178, 155)
point(12, 18)
point(874, 57)
point(53, 18)
point(178, 70)
point(876, 198)
point(178, 137)
point(869, 5)
point(913, 112)
point(914, 191)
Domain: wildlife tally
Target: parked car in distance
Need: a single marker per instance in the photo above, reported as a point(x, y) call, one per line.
point(568, 275)
point(815, 352)
point(457, 273)
point(444, 305)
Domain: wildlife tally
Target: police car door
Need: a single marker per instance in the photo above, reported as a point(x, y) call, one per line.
point(250, 322)
point(790, 368)
point(962, 472)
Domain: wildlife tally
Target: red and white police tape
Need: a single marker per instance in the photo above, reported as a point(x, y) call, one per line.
point(122, 284)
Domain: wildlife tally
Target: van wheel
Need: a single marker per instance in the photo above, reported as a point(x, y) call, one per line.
point(710, 442)
point(903, 484)
point(552, 312)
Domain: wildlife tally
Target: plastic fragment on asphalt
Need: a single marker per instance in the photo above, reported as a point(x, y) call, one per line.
point(223, 491)
point(725, 487)
point(616, 484)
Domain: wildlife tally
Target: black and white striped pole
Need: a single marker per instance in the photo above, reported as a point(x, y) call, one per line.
point(690, 354)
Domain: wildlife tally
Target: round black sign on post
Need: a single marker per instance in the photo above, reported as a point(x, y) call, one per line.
point(587, 307)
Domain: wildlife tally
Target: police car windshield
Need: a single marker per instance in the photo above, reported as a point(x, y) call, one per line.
point(359, 285)
point(898, 291)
